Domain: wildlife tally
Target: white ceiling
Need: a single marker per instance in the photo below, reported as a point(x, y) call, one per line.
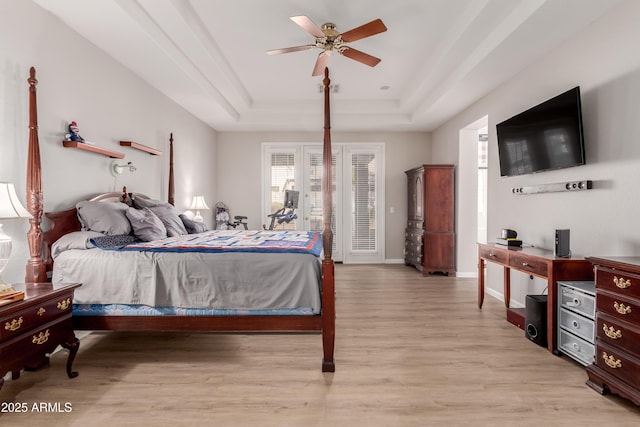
point(438, 56)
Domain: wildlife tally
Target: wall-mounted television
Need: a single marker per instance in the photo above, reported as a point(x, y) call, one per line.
point(545, 137)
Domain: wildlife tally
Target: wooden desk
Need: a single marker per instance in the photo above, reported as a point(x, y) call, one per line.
point(537, 262)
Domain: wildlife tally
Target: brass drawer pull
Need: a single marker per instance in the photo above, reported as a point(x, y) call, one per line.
point(64, 304)
point(525, 264)
point(611, 361)
point(14, 325)
point(42, 338)
point(491, 254)
point(611, 332)
point(41, 311)
point(621, 308)
point(621, 283)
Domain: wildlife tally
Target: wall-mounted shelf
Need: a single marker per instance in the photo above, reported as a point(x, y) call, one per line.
point(93, 149)
point(141, 147)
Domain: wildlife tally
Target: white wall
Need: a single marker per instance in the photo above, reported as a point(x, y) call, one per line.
point(79, 82)
point(240, 185)
point(603, 60)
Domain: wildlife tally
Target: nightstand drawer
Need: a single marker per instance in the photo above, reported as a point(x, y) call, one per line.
point(18, 322)
point(576, 347)
point(577, 325)
point(37, 341)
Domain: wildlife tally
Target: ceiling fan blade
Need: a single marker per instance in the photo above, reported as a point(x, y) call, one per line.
point(308, 25)
point(360, 56)
point(290, 49)
point(321, 64)
point(369, 29)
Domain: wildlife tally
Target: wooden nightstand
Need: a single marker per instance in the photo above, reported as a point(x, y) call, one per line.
point(32, 328)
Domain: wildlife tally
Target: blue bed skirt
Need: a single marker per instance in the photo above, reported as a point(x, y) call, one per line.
point(144, 310)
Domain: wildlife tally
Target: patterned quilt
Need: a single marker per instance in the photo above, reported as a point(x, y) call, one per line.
point(222, 241)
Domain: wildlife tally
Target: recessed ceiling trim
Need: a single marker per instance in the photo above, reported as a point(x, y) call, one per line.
point(174, 53)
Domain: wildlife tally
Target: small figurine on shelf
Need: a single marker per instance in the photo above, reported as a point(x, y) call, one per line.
point(74, 133)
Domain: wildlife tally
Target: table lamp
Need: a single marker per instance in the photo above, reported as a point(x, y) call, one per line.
point(10, 208)
point(198, 203)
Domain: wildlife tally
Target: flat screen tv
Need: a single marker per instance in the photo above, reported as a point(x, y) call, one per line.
point(545, 137)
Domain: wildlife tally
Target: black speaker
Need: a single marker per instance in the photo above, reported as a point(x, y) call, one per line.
point(535, 319)
point(562, 248)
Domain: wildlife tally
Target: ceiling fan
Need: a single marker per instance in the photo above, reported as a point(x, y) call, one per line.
point(329, 39)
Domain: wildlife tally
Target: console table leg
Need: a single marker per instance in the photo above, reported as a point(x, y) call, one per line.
point(507, 286)
point(73, 344)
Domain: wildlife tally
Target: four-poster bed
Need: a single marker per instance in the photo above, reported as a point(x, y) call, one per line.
point(66, 222)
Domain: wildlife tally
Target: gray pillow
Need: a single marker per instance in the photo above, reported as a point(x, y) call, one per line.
point(104, 217)
point(140, 203)
point(73, 240)
point(146, 225)
point(193, 226)
point(169, 217)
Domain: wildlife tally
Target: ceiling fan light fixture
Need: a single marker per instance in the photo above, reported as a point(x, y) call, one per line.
point(328, 39)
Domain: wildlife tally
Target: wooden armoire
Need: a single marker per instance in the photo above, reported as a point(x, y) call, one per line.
point(430, 234)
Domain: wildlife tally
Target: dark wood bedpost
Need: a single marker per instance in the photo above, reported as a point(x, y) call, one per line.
point(328, 278)
point(36, 268)
point(171, 195)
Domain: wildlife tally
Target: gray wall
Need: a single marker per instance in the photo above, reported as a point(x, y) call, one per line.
point(79, 82)
point(603, 60)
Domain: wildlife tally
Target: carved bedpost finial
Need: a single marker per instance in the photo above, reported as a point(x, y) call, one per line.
point(124, 194)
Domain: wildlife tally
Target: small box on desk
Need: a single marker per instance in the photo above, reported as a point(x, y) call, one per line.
point(509, 242)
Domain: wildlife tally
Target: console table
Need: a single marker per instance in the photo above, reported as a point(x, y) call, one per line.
point(537, 262)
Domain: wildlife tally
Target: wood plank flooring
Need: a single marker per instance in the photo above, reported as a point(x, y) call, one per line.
point(410, 351)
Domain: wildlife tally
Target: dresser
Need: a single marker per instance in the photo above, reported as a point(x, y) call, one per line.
point(576, 320)
point(616, 368)
point(430, 235)
point(32, 328)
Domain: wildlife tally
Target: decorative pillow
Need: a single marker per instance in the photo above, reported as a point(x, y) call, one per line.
point(193, 226)
point(146, 225)
point(73, 240)
point(104, 217)
point(169, 217)
point(140, 203)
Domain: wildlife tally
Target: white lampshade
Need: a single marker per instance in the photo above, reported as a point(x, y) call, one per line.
point(10, 207)
point(198, 203)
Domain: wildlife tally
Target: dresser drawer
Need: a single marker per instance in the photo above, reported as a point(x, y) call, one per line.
point(578, 325)
point(18, 322)
point(576, 347)
point(617, 281)
point(618, 363)
point(495, 255)
point(619, 334)
point(619, 307)
point(415, 237)
point(525, 263)
point(577, 300)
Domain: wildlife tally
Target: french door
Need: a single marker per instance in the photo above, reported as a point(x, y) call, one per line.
point(358, 191)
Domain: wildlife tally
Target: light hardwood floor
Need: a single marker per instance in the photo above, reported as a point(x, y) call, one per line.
point(410, 351)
